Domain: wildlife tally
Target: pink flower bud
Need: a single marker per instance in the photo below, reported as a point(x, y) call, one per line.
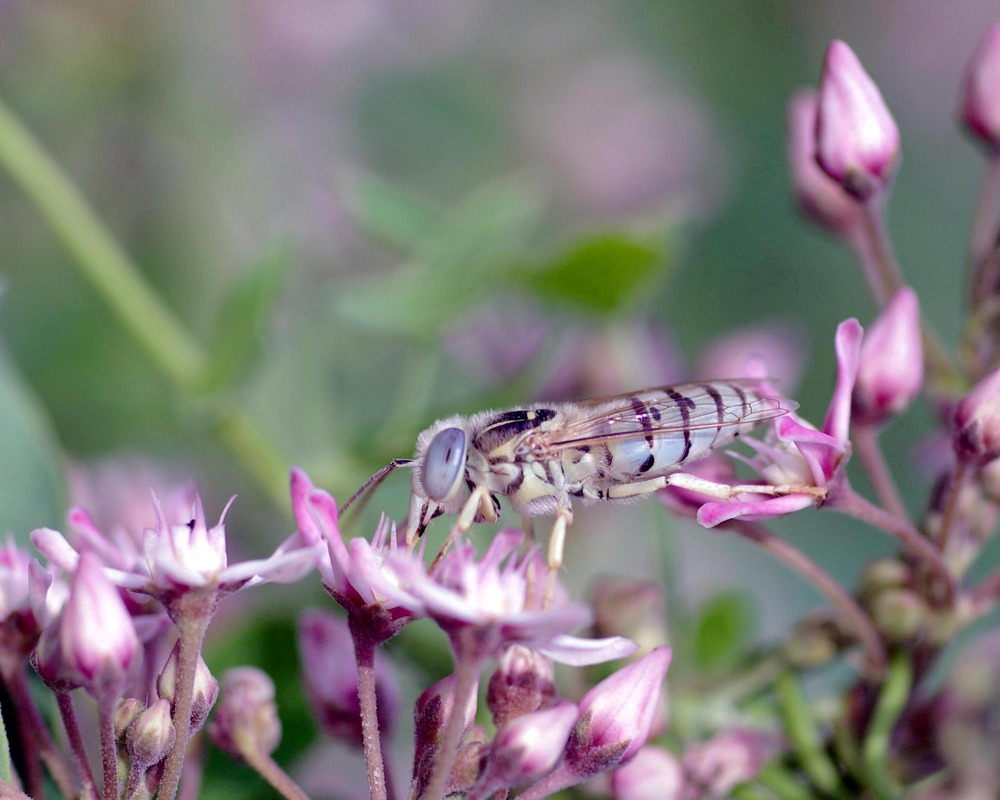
point(616, 716)
point(653, 774)
point(820, 198)
point(206, 688)
point(857, 141)
point(247, 718)
point(150, 735)
point(977, 421)
point(891, 364)
point(97, 637)
point(981, 90)
point(522, 683)
point(431, 713)
point(527, 748)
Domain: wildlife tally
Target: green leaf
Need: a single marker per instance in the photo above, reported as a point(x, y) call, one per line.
point(724, 629)
point(391, 214)
point(243, 316)
point(600, 273)
point(462, 266)
point(32, 480)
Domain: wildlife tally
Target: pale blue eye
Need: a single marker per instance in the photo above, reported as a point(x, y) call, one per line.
point(444, 463)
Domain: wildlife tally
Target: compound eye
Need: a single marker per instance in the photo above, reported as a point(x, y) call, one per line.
point(444, 463)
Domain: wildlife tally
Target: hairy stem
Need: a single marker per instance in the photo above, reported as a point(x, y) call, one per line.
point(68, 714)
point(364, 654)
point(109, 754)
point(273, 774)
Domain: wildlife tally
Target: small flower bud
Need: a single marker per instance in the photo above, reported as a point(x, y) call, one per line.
point(150, 736)
point(523, 682)
point(616, 716)
point(654, 774)
point(431, 713)
point(127, 710)
point(206, 688)
point(883, 573)
point(857, 141)
point(977, 421)
point(819, 197)
point(527, 748)
point(468, 761)
point(813, 642)
point(891, 365)
point(50, 662)
point(898, 613)
point(247, 718)
point(97, 636)
point(981, 90)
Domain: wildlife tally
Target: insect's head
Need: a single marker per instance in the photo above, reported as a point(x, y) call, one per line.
point(444, 464)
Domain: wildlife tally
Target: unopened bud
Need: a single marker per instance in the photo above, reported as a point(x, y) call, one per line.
point(898, 613)
point(977, 421)
point(247, 718)
point(126, 711)
point(857, 141)
point(523, 682)
point(882, 574)
point(206, 688)
point(891, 364)
point(813, 642)
point(431, 713)
point(819, 197)
point(981, 90)
point(151, 735)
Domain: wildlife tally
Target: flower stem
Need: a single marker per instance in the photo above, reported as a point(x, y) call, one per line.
point(109, 755)
point(891, 702)
point(805, 737)
point(191, 614)
point(777, 780)
point(865, 438)
point(849, 502)
point(846, 605)
point(985, 228)
point(467, 679)
point(68, 714)
point(364, 654)
point(273, 774)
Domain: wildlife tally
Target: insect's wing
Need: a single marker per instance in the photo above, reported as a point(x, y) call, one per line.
point(722, 405)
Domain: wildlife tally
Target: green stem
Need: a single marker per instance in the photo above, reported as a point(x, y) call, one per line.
point(103, 262)
point(805, 737)
point(781, 783)
point(875, 747)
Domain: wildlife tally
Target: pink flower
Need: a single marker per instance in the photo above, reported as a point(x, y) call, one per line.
point(617, 715)
point(819, 196)
point(654, 774)
point(857, 141)
point(97, 637)
point(494, 598)
point(13, 579)
point(178, 556)
point(360, 576)
point(981, 89)
point(797, 454)
point(891, 362)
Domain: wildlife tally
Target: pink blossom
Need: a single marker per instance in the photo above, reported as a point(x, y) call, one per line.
point(857, 141)
point(13, 579)
point(714, 767)
point(796, 453)
point(247, 717)
point(980, 96)
point(977, 421)
point(494, 597)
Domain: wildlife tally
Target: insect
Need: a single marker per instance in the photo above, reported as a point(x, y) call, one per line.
point(546, 456)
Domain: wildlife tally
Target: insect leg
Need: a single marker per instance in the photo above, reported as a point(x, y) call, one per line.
point(463, 521)
point(557, 545)
point(726, 491)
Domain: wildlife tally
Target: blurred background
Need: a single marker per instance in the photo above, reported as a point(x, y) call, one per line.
point(374, 213)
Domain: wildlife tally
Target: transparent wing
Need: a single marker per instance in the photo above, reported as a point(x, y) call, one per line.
point(722, 405)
